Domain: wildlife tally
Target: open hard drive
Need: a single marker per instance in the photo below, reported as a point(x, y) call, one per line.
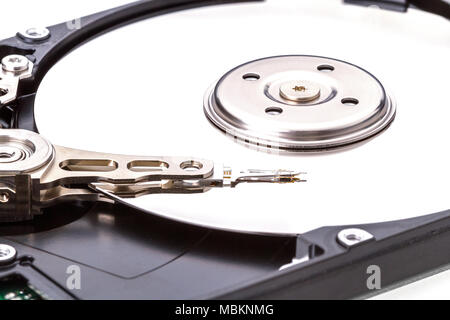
point(315, 167)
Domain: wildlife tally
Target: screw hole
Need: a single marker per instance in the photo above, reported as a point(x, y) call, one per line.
point(325, 68)
point(353, 237)
point(251, 76)
point(34, 32)
point(350, 101)
point(14, 59)
point(4, 253)
point(191, 165)
point(273, 111)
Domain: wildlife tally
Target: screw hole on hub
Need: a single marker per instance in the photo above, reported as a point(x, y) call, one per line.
point(273, 111)
point(350, 101)
point(325, 68)
point(251, 76)
point(191, 165)
point(3, 91)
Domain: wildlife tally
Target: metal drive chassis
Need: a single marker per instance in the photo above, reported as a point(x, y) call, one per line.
point(167, 259)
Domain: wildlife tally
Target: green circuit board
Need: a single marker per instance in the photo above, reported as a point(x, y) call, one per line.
point(16, 287)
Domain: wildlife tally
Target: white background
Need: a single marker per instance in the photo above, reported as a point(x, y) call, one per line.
point(139, 90)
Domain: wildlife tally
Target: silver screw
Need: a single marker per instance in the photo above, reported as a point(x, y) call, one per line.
point(353, 236)
point(4, 197)
point(300, 91)
point(35, 34)
point(7, 254)
point(15, 63)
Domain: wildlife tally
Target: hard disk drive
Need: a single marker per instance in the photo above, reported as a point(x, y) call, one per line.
point(225, 150)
